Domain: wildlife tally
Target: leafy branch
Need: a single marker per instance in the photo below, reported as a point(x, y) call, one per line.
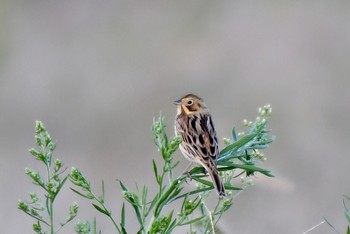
point(43, 213)
point(239, 158)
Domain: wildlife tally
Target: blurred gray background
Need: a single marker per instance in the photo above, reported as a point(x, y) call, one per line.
point(97, 72)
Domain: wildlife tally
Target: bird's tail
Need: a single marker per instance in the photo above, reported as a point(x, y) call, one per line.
point(214, 175)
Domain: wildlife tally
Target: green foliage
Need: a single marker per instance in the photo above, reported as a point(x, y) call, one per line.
point(237, 159)
point(43, 212)
point(82, 227)
point(77, 178)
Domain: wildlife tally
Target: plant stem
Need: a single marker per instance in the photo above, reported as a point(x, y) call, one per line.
point(109, 214)
point(210, 217)
point(50, 198)
point(170, 170)
point(51, 214)
point(162, 198)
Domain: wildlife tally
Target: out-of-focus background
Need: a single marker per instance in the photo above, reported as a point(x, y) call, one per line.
point(97, 72)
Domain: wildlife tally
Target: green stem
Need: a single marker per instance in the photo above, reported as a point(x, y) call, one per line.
point(161, 199)
point(109, 214)
point(216, 211)
point(211, 222)
point(51, 214)
point(150, 224)
point(144, 215)
point(167, 193)
point(50, 197)
point(170, 170)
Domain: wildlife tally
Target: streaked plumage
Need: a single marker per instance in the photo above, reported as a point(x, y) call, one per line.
point(193, 123)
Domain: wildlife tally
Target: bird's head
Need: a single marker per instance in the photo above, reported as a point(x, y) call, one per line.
point(190, 104)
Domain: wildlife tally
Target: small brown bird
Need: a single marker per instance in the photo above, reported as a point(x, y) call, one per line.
point(193, 123)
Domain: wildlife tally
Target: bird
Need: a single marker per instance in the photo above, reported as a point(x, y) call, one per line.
point(194, 125)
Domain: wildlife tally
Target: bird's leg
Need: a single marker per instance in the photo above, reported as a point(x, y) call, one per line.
point(186, 171)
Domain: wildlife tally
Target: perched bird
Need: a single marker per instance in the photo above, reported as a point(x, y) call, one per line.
point(193, 123)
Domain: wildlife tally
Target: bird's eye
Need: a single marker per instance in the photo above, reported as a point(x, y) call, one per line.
point(189, 102)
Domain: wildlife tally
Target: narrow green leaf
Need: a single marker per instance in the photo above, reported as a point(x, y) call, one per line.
point(155, 171)
point(257, 147)
point(190, 193)
point(175, 164)
point(165, 196)
point(241, 142)
point(170, 217)
point(175, 193)
point(134, 200)
point(63, 181)
point(80, 194)
point(168, 223)
point(47, 205)
point(172, 226)
point(197, 170)
point(261, 143)
point(124, 188)
point(234, 135)
point(124, 231)
point(138, 216)
point(210, 184)
point(250, 168)
point(205, 182)
point(236, 145)
point(154, 201)
point(193, 220)
point(61, 185)
point(94, 226)
point(144, 196)
point(123, 216)
point(230, 187)
point(103, 211)
point(184, 202)
point(103, 191)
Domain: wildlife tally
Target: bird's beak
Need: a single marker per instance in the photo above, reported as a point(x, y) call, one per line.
point(178, 102)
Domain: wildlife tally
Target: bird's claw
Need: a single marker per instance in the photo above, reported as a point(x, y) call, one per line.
point(188, 175)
